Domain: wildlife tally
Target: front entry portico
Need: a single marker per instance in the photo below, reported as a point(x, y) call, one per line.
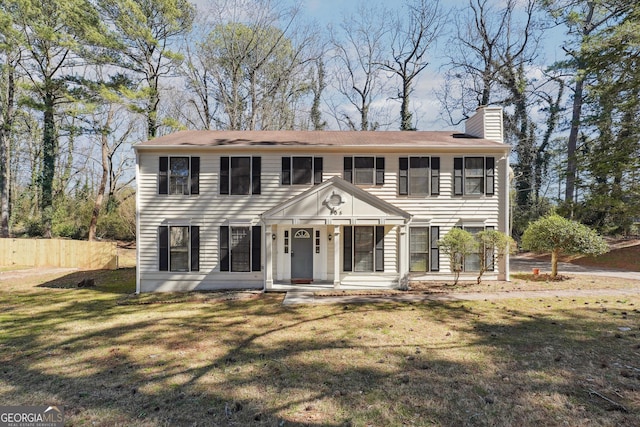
point(335, 235)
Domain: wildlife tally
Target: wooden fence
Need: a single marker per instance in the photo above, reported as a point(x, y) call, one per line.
point(58, 253)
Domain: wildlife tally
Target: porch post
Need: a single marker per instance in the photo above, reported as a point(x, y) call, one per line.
point(403, 258)
point(268, 257)
point(336, 256)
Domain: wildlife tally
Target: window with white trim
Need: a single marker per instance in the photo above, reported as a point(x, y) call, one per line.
point(424, 254)
point(179, 175)
point(297, 170)
point(364, 170)
point(419, 176)
point(363, 248)
point(240, 175)
point(474, 176)
point(472, 261)
point(240, 248)
point(179, 248)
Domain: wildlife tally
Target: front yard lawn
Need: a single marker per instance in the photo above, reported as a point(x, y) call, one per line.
point(245, 359)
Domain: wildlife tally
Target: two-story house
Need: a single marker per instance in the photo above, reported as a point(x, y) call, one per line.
point(282, 209)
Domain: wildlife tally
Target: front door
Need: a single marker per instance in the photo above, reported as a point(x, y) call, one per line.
point(302, 255)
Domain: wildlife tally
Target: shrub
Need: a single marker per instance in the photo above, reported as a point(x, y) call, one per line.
point(557, 235)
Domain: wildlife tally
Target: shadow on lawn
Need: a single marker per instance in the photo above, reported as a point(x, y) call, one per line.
point(259, 363)
point(117, 281)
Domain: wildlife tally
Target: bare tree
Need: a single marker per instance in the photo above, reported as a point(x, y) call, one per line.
point(358, 46)
point(256, 55)
point(412, 35)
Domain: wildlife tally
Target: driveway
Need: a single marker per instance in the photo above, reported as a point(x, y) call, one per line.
point(519, 263)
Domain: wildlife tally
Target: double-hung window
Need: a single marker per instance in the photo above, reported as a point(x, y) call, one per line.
point(179, 175)
point(424, 254)
point(240, 175)
point(363, 248)
point(474, 176)
point(240, 248)
point(364, 170)
point(179, 248)
point(298, 170)
point(472, 261)
point(419, 176)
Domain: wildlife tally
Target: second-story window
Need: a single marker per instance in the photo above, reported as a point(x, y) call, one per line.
point(179, 175)
point(474, 176)
point(419, 176)
point(301, 170)
point(364, 170)
point(240, 175)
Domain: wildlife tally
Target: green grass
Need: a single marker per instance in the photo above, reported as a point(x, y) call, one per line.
point(203, 359)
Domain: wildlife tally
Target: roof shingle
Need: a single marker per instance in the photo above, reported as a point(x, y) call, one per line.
point(204, 138)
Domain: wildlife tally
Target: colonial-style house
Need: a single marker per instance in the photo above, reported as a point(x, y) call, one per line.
point(291, 209)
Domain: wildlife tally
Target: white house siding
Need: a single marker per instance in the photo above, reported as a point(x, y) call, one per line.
point(210, 210)
point(486, 123)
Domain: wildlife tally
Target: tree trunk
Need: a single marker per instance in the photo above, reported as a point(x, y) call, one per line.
point(97, 206)
point(5, 154)
point(49, 152)
point(554, 262)
point(572, 143)
point(405, 114)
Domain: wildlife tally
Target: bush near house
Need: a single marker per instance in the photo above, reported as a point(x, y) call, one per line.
point(557, 235)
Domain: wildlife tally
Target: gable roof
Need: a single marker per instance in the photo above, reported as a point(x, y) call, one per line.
point(313, 203)
point(215, 138)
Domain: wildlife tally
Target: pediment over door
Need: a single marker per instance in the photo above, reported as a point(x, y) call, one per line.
point(336, 201)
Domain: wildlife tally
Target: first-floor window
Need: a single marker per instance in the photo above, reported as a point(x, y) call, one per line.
point(472, 261)
point(179, 248)
point(424, 254)
point(363, 248)
point(240, 248)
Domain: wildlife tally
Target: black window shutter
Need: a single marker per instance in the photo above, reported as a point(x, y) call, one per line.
point(286, 171)
point(256, 169)
point(195, 248)
point(163, 176)
point(348, 169)
point(403, 176)
point(490, 165)
point(317, 170)
point(435, 250)
point(163, 245)
point(435, 176)
point(347, 264)
point(224, 248)
point(379, 170)
point(224, 175)
point(195, 175)
point(256, 248)
point(457, 176)
point(379, 261)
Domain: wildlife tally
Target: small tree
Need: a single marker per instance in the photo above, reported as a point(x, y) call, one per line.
point(559, 235)
point(457, 244)
point(493, 246)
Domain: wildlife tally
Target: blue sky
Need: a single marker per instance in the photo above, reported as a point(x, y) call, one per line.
point(425, 106)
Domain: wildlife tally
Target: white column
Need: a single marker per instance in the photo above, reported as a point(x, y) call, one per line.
point(268, 257)
point(403, 258)
point(336, 256)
